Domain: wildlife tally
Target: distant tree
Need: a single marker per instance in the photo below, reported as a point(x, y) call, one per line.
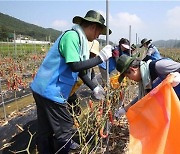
point(177, 45)
point(3, 33)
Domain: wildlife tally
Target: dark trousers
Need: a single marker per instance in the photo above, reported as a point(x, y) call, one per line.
point(54, 126)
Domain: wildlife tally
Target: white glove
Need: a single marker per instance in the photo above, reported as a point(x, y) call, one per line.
point(99, 92)
point(119, 113)
point(176, 80)
point(106, 53)
point(94, 80)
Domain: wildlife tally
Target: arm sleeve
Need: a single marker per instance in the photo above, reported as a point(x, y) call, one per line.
point(166, 66)
point(134, 101)
point(150, 51)
point(84, 77)
point(146, 58)
point(84, 65)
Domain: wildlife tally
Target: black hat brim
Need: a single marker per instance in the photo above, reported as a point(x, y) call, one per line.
point(144, 43)
point(78, 20)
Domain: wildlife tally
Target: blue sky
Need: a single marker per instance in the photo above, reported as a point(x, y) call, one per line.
point(156, 20)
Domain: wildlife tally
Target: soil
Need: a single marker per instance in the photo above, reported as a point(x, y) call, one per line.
point(15, 135)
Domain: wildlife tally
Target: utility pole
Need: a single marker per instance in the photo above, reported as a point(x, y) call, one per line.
point(130, 40)
point(2, 100)
point(107, 74)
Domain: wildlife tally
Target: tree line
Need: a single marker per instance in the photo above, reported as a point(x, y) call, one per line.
point(9, 25)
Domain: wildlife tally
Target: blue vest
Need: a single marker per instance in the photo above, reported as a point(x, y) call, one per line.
point(54, 79)
point(156, 55)
point(112, 64)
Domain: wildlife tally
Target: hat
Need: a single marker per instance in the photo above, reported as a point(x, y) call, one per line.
point(143, 41)
point(92, 16)
point(133, 47)
point(125, 43)
point(123, 64)
point(126, 46)
point(94, 47)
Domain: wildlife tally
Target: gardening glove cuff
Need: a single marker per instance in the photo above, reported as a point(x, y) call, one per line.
point(176, 79)
point(119, 112)
point(99, 92)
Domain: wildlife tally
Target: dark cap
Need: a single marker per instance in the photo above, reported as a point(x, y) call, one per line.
point(123, 63)
point(133, 47)
point(143, 41)
point(95, 17)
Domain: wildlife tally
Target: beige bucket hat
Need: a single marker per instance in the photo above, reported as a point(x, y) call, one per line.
point(94, 47)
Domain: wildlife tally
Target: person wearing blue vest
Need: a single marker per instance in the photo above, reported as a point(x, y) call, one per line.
point(152, 52)
point(66, 60)
point(146, 73)
point(122, 48)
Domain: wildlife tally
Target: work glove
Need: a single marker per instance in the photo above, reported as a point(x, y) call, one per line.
point(94, 80)
point(106, 53)
point(99, 92)
point(176, 79)
point(119, 112)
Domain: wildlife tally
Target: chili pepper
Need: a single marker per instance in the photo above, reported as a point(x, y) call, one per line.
point(110, 116)
point(108, 103)
point(91, 105)
point(121, 95)
point(100, 112)
point(76, 123)
point(101, 133)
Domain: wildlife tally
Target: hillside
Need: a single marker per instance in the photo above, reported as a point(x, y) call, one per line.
point(10, 24)
point(167, 43)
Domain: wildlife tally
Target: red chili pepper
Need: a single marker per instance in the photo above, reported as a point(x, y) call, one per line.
point(108, 103)
point(121, 95)
point(100, 112)
point(101, 133)
point(110, 116)
point(91, 105)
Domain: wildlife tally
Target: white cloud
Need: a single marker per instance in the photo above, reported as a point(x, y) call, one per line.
point(173, 16)
point(125, 19)
point(60, 24)
point(120, 25)
point(172, 23)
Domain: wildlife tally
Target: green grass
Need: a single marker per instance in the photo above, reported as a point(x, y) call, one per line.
point(173, 53)
point(21, 50)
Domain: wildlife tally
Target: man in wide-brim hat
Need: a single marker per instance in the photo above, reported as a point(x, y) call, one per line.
point(145, 41)
point(95, 17)
point(151, 51)
point(66, 60)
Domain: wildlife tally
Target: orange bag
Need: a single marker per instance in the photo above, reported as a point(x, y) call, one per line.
point(154, 122)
